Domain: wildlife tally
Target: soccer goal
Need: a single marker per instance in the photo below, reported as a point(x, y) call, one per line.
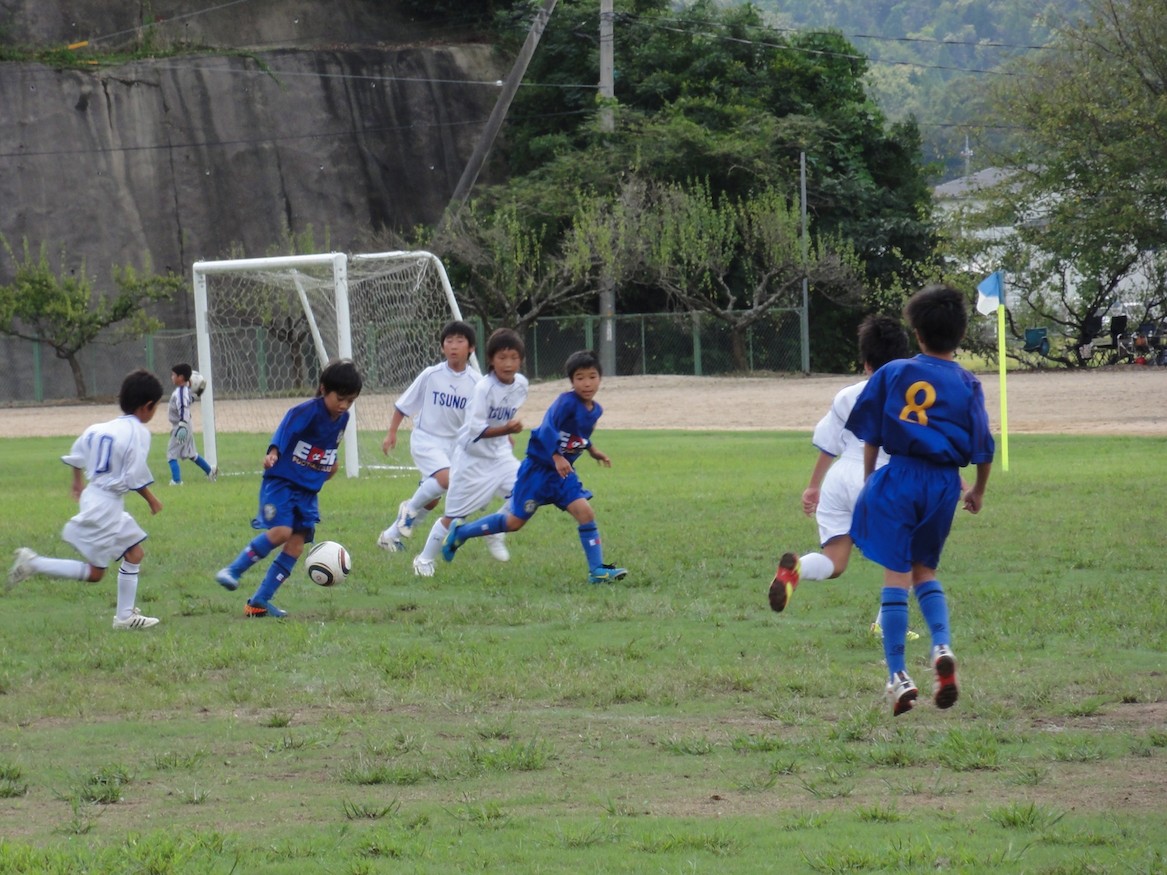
point(266, 326)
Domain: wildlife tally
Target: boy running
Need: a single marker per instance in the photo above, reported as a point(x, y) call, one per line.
point(436, 402)
point(484, 464)
point(113, 457)
point(929, 414)
point(547, 475)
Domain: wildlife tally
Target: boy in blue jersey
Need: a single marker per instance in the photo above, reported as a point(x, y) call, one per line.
point(547, 474)
point(301, 456)
point(929, 414)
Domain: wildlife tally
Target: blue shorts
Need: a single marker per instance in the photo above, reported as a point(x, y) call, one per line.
point(904, 513)
point(537, 485)
point(283, 503)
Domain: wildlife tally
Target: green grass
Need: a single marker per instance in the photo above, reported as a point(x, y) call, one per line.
point(514, 718)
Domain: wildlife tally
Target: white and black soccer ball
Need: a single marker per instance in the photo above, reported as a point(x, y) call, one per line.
point(329, 563)
point(198, 384)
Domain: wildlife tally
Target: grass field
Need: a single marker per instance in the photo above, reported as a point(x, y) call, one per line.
point(512, 718)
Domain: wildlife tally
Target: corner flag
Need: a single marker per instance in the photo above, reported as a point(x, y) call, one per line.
point(990, 297)
point(991, 293)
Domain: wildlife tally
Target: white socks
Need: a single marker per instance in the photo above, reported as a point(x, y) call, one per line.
point(127, 589)
point(433, 544)
point(70, 569)
point(815, 566)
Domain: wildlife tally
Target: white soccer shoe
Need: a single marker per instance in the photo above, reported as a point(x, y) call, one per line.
point(497, 546)
point(405, 518)
point(22, 568)
point(136, 620)
point(423, 567)
point(389, 542)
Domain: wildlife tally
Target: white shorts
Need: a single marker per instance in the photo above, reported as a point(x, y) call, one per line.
point(474, 481)
point(837, 497)
point(102, 530)
point(431, 453)
point(181, 446)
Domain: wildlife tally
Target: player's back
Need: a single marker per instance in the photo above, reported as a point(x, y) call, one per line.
point(113, 455)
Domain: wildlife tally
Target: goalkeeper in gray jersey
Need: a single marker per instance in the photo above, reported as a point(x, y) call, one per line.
point(182, 443)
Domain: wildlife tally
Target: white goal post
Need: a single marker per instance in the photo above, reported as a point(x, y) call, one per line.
point(267, 326)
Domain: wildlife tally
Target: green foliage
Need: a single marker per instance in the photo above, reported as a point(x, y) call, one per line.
point(715, 106)
point(1085, 198)
point(62, 309)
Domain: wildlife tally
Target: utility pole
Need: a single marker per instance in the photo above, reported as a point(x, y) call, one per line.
point(607, 125)
point(498, 115)
point(967, 156)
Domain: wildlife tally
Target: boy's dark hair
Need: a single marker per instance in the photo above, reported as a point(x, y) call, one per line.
point(457, 327)
point(342, 377)
point(584, 358)
point(183, 370)
point(881, 339)
point(939, 315)
point(504, 338)
point(139, 388)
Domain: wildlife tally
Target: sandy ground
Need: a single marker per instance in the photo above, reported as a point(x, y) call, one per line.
point(1123, 400)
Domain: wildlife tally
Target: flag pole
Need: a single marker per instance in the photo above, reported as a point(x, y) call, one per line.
point(1001, 377)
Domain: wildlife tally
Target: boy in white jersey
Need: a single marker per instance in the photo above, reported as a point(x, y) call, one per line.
point(113, 457)
point(436, 402)
point(484, 464)
point(837, 477)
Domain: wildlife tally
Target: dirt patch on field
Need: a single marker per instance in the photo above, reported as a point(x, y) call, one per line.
point(1124, 400)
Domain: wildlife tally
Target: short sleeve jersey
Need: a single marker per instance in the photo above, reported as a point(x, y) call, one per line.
point(179, 409)
point(113, 455)
point(436, 400)
point(927, 408)
point(308, 441)
point(566, 429)
point(492, 403)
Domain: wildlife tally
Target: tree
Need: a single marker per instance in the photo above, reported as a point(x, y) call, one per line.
point(1085, 196)
point(64, 311)
point(740, 259)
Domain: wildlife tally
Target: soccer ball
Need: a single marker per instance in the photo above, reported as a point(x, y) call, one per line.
point(198, 384)
point(328, 563)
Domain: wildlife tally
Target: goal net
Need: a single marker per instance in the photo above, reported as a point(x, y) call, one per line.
point(266, 327)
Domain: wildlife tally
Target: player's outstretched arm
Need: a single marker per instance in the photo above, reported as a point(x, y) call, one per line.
point(602, 458)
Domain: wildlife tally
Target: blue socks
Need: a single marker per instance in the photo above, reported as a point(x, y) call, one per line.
point(259, 547)
point(589, 537)
point(175, 474)
point(487, 525)
point(202, 463)
point(894, 615)
point(279, 571)
point(934, 607)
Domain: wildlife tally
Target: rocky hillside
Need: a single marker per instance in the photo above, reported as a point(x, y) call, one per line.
point(336, 116)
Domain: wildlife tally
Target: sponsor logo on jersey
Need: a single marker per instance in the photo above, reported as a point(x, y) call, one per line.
point(448, 399)
point(572, 444)
point(314, 457)
point(502, 414)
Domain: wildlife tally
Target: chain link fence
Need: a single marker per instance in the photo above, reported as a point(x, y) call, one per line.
point(656, 343)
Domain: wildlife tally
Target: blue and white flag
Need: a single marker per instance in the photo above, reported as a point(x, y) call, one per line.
point(991, 293)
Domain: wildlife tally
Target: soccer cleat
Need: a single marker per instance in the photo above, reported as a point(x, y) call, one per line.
point(451, 544)
point(21, 568)
point(785, 580)
point(136, 620)
point(226, 579)
point(877, 631)
point(606, 574)
point(405, 518)
point(497, 546)
point(256, 608)
point(423, 567)
point(213, 474)
point(387, 542)
point(944, 692)
point(175, 482)
point(903, 692)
